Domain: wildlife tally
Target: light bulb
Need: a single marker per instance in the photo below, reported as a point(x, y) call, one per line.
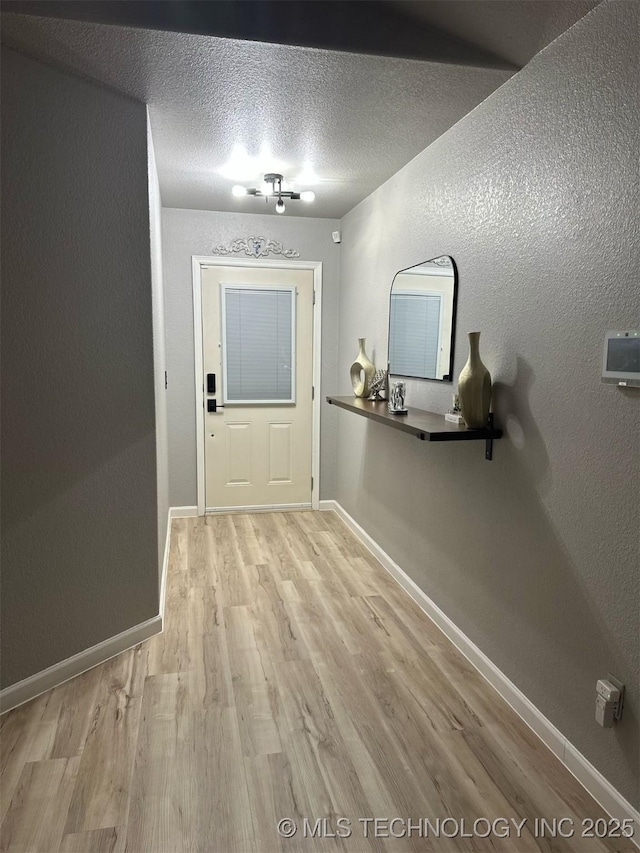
point(238, 191)
point(307, 195)
point(266, 188)
point(279, 206)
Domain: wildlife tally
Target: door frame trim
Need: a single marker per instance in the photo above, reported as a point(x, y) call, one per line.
point(197, 263)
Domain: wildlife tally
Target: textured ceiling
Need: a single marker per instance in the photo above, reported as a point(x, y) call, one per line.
point(351, 119)
point(513, 29)
point(375, 27)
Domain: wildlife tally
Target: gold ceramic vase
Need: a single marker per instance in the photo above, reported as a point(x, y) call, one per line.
point(474, 387)
point(362, 371)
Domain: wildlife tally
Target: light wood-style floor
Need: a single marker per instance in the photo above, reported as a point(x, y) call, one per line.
point(294, 679)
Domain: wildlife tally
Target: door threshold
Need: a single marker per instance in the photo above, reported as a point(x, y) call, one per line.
point(210, 510)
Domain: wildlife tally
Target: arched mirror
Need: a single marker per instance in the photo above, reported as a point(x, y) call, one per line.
point(422, 318)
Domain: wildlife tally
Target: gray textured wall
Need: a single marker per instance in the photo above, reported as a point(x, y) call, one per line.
point(79, 527)
point(197, 232)
point(535, 555)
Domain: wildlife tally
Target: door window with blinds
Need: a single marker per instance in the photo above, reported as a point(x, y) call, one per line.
point(258, 344)
point(414, 341)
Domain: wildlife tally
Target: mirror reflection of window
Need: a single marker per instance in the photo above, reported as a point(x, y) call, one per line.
point(415, 342)
point(421, 318)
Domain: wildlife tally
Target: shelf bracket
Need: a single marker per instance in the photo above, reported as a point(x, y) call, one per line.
point(488, 445)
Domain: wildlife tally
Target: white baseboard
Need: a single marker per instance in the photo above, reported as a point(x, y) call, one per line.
point(183, 511)
point(588, 776)
point(165, 564)
point(335, 506)
point(33, 686)
point(27, 689)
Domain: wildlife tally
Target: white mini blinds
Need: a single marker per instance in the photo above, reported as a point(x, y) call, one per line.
point(258, 344)
point(415, 323)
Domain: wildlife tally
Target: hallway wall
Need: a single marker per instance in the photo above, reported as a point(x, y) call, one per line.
point(198, 232)
point(534, 556)
point(79, 522)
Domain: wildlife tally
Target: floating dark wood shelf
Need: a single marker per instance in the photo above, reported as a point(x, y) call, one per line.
point(427, 426)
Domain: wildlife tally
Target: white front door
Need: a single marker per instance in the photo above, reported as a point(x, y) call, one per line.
point(257, 333)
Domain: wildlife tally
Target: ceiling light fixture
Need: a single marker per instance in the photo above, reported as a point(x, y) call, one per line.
point(272, 187)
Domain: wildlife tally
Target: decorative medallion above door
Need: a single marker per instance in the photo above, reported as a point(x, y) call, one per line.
point(255, 247)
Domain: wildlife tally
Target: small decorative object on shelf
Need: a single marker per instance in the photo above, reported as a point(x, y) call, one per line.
point(396, 399)
point(362, 371)
point(454, 415)
point(474, 387)
point(378, 385)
